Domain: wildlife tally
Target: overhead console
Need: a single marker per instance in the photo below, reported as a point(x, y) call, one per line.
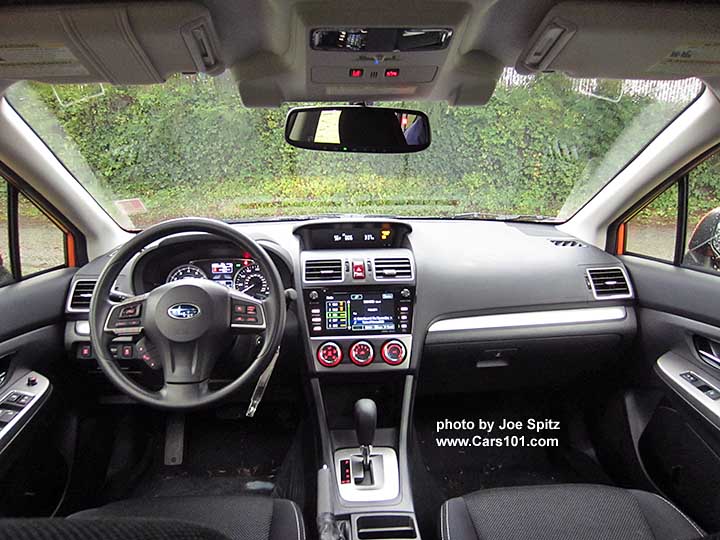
point(358, 292)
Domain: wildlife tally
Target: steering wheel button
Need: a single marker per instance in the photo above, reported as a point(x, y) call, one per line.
point(127, 323)
point(252, 309)
point(252, 320)
point(127, 351)
point(239, 308)
point(130, 312)
point(239, 319)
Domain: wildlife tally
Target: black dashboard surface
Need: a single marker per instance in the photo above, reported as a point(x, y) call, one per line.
point(463, 267)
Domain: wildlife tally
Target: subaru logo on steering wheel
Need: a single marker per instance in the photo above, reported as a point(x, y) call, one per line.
point(183, 311)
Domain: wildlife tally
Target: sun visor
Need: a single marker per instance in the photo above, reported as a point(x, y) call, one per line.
point(139, 43)
point(626, 41)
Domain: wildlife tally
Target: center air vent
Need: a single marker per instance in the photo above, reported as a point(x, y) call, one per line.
point(607, 283)
point(566, 242)
point(323, 270)
point(393, 268)
point(81, 295)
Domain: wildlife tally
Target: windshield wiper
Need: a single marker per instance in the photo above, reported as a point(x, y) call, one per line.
point(529, 218)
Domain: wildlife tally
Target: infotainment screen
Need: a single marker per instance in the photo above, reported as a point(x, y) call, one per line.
point(360, 312)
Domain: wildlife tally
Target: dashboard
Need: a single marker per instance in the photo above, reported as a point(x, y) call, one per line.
point(517, 301)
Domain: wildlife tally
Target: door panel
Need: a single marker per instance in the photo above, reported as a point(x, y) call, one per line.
point(678, 316)
point(31, 349)
point(34, 303)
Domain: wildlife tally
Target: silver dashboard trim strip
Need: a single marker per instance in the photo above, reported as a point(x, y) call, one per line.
point(531, 318)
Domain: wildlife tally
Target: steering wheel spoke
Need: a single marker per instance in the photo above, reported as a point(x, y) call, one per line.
point(126, 318)
point(247, 314)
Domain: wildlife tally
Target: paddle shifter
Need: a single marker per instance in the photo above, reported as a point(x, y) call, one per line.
point(365, 423)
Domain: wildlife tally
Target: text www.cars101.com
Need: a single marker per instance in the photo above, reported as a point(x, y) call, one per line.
point(478, 441)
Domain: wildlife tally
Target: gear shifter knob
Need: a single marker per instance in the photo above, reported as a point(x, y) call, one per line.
point(365, 421)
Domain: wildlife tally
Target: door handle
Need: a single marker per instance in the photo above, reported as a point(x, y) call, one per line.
point(708, 350)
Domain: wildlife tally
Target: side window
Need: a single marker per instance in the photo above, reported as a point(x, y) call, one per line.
point(42, 243)
point(652, 232)
point(702, 241)
point(687, 212)
point(6, 275)
point(31, 242)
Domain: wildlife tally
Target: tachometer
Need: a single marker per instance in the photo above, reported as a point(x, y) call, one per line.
point(250, 280)
point(185, 271)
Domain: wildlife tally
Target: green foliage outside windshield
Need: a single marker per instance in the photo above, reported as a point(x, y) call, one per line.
point(189, 147)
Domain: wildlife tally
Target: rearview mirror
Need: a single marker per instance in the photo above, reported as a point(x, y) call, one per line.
point(357, 128)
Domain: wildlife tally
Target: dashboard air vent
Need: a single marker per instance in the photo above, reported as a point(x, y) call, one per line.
point(609, 283)
point(393, 268)
point(563, 242)
point(323, 270)
point(81, 294)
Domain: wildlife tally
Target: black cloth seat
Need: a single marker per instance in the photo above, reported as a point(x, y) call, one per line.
point(106, 529)
point(235, 517)
point(564, 512)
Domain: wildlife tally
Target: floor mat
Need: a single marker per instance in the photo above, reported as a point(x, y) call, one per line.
point(224, 455)
point(511, 461)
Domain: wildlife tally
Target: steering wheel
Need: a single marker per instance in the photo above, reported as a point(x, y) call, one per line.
point(183, 326)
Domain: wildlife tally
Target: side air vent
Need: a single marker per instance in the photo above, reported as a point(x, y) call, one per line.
point(608, 283)
point(323, 270)
point(393, 268)
point(81, 295)
point(562, 242)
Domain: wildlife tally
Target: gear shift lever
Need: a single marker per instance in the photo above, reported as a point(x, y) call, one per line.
point(365, 423)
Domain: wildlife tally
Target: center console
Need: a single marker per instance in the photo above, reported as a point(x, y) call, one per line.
point(358, 296)
point(356, 326)
point(358, 288)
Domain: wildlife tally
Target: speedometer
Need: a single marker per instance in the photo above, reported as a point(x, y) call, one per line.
point(250, 280)
point(185, 271)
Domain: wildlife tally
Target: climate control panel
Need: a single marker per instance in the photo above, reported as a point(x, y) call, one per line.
point(373, 353)
point(361, 353)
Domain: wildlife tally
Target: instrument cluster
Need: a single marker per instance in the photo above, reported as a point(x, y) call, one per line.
point(243, 274)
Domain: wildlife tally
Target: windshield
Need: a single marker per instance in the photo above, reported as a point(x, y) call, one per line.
point(540, 148)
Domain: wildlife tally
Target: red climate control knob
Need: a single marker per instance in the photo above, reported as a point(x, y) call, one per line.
point(361, 353)
point(393, 352)
point(329, 354)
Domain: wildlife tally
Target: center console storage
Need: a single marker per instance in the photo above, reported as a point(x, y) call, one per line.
point(384, 526)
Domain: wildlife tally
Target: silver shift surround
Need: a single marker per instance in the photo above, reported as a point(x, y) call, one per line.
point(390, 486)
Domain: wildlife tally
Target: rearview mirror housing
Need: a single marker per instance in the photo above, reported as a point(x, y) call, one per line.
point(357, 128)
